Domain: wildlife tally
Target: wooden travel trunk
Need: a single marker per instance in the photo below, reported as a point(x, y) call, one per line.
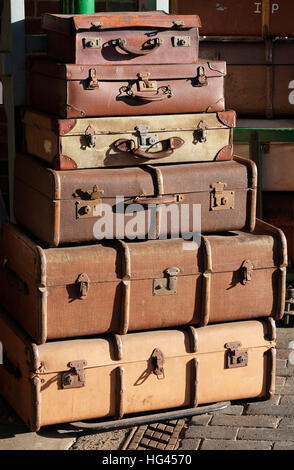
point(259, 75)
point(149, 201)
point(123, 38)
point(72, 91)
point(93, 289)
point(113, 376)
point(134, 140)
point(240, 17)
point(278, 209)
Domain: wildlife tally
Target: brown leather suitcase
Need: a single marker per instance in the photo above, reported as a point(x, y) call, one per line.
point(116, 288)
point(150, 37)
point(72, 91)
point(113, 376)
point(278, 209)
point(113, 141)
point(61, 207)
point(240, 17)
point(259, 75)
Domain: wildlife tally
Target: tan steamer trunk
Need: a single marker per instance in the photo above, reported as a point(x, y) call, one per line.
point(133, 140)
point(93, 289)
point(149, 201)
point(123, 38)
point(101, 377)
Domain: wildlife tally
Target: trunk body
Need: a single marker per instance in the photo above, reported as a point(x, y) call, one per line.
point(73, 91)
point(134, 140)
point(123, 38)
point(85, 290)
point(61, 207)
point(81, 379)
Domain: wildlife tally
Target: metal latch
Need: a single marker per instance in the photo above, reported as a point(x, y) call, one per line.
point(184, 41)
point(146, 139)
point(92, 43)
point(157, 360)
point(178, 23)
point(201, 77)
point(83, 282)
point(167, 285)
point(75, 378)
point(221, 199)
point(247, 271)
point(92, 80)
point(201, 132)
point(90, 136)
point(145, 84)
point(90, 208)
point(235, 357)
point(97, 24)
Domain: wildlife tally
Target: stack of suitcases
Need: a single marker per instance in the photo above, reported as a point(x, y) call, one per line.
point(124, 118)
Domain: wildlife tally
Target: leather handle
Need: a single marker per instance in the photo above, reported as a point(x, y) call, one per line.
point(121, 43)
point(145, 201)
point(150, 97)
point(125, 145)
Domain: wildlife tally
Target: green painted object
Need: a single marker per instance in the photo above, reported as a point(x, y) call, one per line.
point(84, 7)
point(67, 7)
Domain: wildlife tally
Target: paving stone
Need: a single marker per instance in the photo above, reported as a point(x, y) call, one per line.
point(285, 389)
point(274, 410)
point(283, 446)
point(231, 410)
point(18, 438)
point(283, 354)
point(281, 363)
point(287, 400)
point(212, 432)
point(286, 372)
point(289, 381)
point(265, 434)
point(190, 444)
point(219, 444)
point(286, 423)
point(280, 380)
point(275, 400)
point(245, 421)
point(111, 440)
point(200, 420)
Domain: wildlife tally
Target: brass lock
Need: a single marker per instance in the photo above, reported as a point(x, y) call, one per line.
point(181, 41)
point(75, 378)
point(221, 199)
point(92, 43)
point(167, 285)
point(234, 356)
point(145, 84)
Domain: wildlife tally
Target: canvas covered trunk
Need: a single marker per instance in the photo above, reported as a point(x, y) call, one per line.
point(123, 38)
point(116, 288)
point(259, 75)
point(114, 376)
point(131, 140)
point(73, 91)
point(149, 201)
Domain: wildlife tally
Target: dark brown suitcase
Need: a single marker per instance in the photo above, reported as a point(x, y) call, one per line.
point(151, 37)
point(259, 75)
point(278, 209)
point(119, 287)
point(72, 91)
point(150, 201)
point(100, 377)
point(240, 17)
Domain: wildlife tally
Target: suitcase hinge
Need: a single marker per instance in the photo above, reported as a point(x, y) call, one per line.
point(146, 138)
point(83, 282)
point(144, 84)
point(221, 199)
point(167, 285)
point(157, 359)
point(75, 378)
point(247, 271)
point(235, 357)
point(93, 82)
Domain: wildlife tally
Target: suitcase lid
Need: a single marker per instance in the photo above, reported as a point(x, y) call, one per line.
point(138, 347)
point(136, 182)
point(50, 68)
point(70, 24)
point(102, 125)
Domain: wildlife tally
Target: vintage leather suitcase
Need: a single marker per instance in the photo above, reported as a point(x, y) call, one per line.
point(61, 207)
point(113, 141)
point(240, 17)
point(123, 38)
point(115, 288)
point(71, 91)
point(113, 376)
point(259, 75)
point(278, 208)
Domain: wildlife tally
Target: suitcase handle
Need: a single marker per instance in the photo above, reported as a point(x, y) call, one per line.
point(149, 97)
point(122, 44)
point(145, 201)
point(125, 145)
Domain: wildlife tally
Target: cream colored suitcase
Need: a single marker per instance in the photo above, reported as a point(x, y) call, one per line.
point(99, 377)
point(128, 140)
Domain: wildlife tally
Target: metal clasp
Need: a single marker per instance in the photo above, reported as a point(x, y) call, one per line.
point(92, 43)
point(75, 378)
point(202, 132)
point(221, 199)
point(157, 359)
point(167, 285)
point(145, 84)
point(146, 139)
point(181, 41)
point(201, 77)
point(90, 136)
point(83, 282)
point(92, 80)
point(235, 357)
point(247, 271)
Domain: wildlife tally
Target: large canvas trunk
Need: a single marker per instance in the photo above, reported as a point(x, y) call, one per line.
point(259, 75)
point(133, 140)
point(116, 288)
point(149, 201)
point(122, 38)
point(278, 209)
point(72, 91)
point(240, 17)
point(101, 377)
